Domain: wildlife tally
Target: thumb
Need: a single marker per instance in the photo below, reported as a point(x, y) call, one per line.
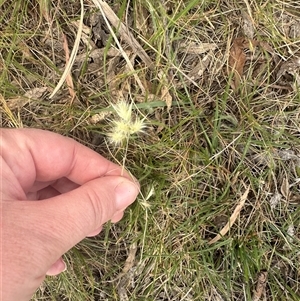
point(38, 233)
point(70, 217)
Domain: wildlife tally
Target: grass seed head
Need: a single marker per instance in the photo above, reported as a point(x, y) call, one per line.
point(123, 110)
point(117, 137)
point(137, 126)
point(124, 126)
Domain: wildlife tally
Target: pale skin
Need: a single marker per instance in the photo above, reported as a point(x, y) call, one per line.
point(54, 193)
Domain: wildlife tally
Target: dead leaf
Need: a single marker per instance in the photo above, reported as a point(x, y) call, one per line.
point(73, 54)
point(69, 79)
point(127, 274)
point(248, 25)
point(232, 218)
point(166, 96)
point(288, 66)
point(20, 101)
point(260, 289)
point(97, 55)
point(99, 117)
point(129, 263)
point(36, 93)
point(237, 58)
point(295, 30)
point(285, 188)
point(17, 102)
point(275, 200)
point(287, 154)
point(195, 48)
point(199, 69)
point(165, 91)
point(85, 35)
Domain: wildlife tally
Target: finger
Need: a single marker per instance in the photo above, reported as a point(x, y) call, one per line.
point(117, 216)
point(46, 193)
point(70, 217)
point(10, 188)
point(62, 185)
point(95, 232)
point(42, 191)
point(55, 225)
point(56, 268)
point(45, 156)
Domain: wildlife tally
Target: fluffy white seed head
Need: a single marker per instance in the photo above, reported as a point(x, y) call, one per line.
point(122, 127)
point(137, 126)
point(123, 110)
point(116, 137)
point(125, 125)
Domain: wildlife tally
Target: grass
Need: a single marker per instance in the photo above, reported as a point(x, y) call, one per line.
point(204, 145)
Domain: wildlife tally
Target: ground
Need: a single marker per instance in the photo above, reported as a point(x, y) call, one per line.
point(216, 85)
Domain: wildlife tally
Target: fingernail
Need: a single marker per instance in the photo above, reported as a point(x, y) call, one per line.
point(65, 268)
point(126, 193)
point(58, 267)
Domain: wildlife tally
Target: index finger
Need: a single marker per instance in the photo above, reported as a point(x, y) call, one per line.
point(38, 155)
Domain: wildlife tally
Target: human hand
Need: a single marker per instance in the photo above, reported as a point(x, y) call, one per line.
point(80, 191)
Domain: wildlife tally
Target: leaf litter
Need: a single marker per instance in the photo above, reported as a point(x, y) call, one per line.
point(260, 289)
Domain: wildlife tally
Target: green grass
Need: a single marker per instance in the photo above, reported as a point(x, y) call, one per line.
point(195, 159)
